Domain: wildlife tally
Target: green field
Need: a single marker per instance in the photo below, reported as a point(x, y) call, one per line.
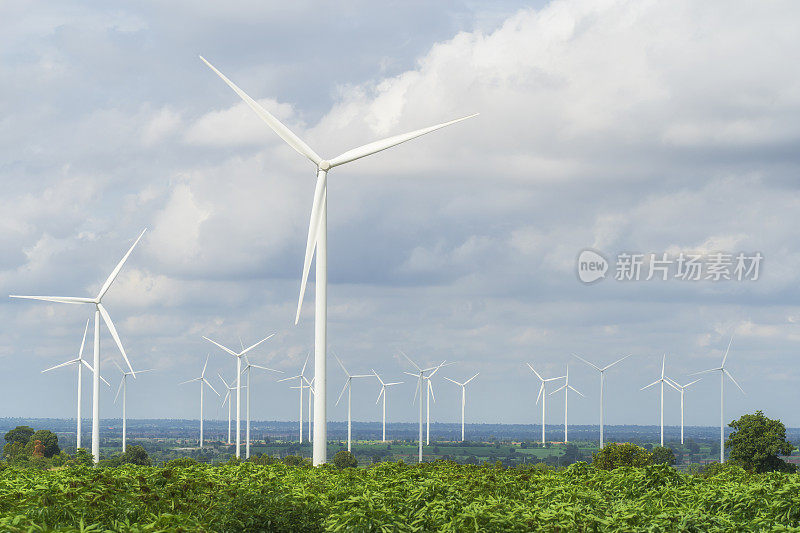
point(440, 496)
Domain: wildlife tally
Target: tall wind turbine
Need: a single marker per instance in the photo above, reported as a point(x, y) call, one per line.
point(662, 380)
point(230, 388)
point(384, 386)
point(123, 387)
point(463, 399)
point(543, 394)
point(602, 383)
point(421, 377)
point(722, 373)
point(203, 381)
point(247, 366)
point(80, 362)
point(681, 388)
point(100, 311)
point(238, 356)
point(428, 395)
point(567, 387)
point(348, 386)
point(318, 239)
point(301, 376)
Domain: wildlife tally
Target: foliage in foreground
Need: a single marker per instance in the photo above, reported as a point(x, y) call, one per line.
point(439, 496)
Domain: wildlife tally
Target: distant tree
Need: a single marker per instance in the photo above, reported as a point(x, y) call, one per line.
point(571, 454)
point(82, 457)
point(756, 443)
point(663, 455)
point(136, 455)
point(614, 455)
point(294, 460)
point(20, 434)
point(181, 462)
point(345, 459)
point(13, 450)
point(49, 440)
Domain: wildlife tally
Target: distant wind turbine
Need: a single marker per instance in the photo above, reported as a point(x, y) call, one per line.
point(301, 376)
point(247, 366)
point(238, 357)
point(567, 387)
point(421, 377)
point(123, 386)
point(384, 386)
point(602, 383)
point(80, 362)
point(318, 240)
point(99, 311)
point(230, 388)
point(348, 386)
point(682, 389)
point(203, 381)
point(543, 394)
point(463, 399)
point(662, 380)
point(722, 373)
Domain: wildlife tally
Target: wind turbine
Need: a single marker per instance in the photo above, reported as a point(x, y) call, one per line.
point(463, 399)
point(203, 381)
point(100, 311)
point(602, 383)
point(80, 361)
point(661, 380)
point(543, 394)
point(227, 398)
point(384, 386)
point(238, 357)
point(722, 373)
point(318, 239)
point(681, 389)
point(123, 386)
point(567, 387)
point(421, 377)
point(301, 376)
point(348, 386)
point(247, 366)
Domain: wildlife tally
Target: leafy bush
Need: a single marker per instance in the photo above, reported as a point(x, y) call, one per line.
point(344, 459)
point(614, 455)
point(182, 462)
point(663, 455)
point(757, 442)
point(296, 460)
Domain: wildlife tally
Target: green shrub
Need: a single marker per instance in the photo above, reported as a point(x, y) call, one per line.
point(344, 459)
point(614, 455)
point(663, 455)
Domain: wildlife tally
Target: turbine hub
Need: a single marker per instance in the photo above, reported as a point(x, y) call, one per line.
point(324, 164)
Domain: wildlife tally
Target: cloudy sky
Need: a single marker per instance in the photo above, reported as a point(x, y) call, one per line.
point(643, 127)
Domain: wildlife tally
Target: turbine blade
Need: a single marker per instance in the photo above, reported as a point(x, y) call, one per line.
point(704, 371)
point(283, 132)
point(473, 377)
point(692, 382)
point(341, 365)
point(617, 361)
point(115, 335)
point(734, 381)
point(377, 146)
point(663, 364)
point(395, 383)
point(346, 383)
point(725, 357)
point(558, 389)
point(62, 364)
point(377, 376)
point(190, 381)
point(119, 389)
point(203, 373)
point(320, 197)
point(672, 384)
point(304, 364)
point(534, 371)
point(379, 395)
point(292, 377)
point(453, 381)
point(430, 388)
point(117, 365)
point(653, 383)
point(58, 299)
point(91, 369)
point(409, 360)
point(223, 380)
point(573, 389)
point(221, 346)
point(416, 391)
point(541, 390)
point(83, 342)
point(256, 344)
point(588, 363)
point(115, 272)
point(267, 368)
point(211, 386)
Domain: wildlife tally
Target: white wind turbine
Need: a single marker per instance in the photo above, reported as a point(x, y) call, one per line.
point(301, 376)
point(722, 373)
point(318, 239)
point(463, 399)
point(227, 398)
point(247, 366)
point(602, 383)
point(306, 384)
point(123, 386)
point(681, 388)
point(662, 380)
point(543, 394)
point(100, 311)
point(567, 387)
point(238, 357)
point(203, 381)
point(348, 386)
point(384, 386)
point(80, 362)
point(421, 377)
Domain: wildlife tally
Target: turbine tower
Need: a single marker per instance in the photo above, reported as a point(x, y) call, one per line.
point(123, 386)
point(463, 399)
point(318, 240)
point(543, 394)
point(348, 386)
point(681, 388)
point(662, 380)
point(203, 381)
point(602, 383)
point(247, 366)
point(384, 386)
point(238, 357)
point(421, 377)
point(227, 398)
point(100, 311)
point(80, 362)
point(567, 387)
point(722, 373)
point(301, 376)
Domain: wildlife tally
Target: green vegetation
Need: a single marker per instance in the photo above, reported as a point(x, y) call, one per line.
point(757, 442)
point(615, 455)
point(439, 496)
